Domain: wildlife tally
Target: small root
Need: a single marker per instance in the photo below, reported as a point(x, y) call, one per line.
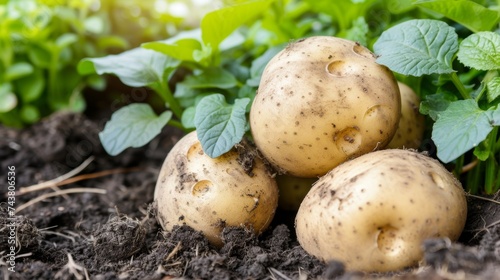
point(57, 193)
point(468, 167)
point(78, 271)
point(483, 198)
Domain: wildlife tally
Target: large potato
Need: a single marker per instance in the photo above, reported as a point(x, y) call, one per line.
point(321, 101)
point(210, 194)
point(412, 124)
point(374, 212)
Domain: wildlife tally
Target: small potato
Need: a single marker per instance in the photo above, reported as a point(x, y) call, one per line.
point(374, 212)
point(321, 101)
point(209, 194)
point(412, 124)
point(292, 191)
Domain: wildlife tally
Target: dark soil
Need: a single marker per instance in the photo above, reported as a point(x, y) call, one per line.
point(116, 236)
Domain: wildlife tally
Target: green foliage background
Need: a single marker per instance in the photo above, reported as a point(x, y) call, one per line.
point(42, 41)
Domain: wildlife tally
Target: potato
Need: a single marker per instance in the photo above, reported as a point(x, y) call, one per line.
point(209, 194)
point(411, 124)
point(292, 191)
point(374, 212)
point(321, 101)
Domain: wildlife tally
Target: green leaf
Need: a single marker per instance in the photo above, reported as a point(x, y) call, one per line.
point(399, 6)
point(187, 118)
point(465, 12)
point(18, 70)
point(247, 91)
point(418, 47)
point(493, 87)
point(233, 40)
point(66, 39)
point(344, 12)
point(182, 49)
point(475, 93)
point(218, 24)
point(211, 78)
point(219, 125)
point(40, 56)
point(8, 99)
point(462, 126)
point(94, 24)
point(481, 51)
point(482, 152)
point(31, 87)
point(86, 67)
point(106, 42)
point(132, 126)
point(260, 63)
point(29, 114)
point(436, 103)
point(357, 32)
point(203, 56)
point(495, 116)
point(137, 67)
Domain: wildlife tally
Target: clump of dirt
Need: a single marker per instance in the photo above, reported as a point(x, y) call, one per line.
point(119, 238)
point(17, 231)
point(246, 156)
point(116, 235)
point(448, 258)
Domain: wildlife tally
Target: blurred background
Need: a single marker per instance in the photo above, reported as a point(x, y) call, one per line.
point(42, 41)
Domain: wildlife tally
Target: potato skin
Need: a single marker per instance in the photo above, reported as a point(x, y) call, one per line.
point(210, 194)
point(321, 101)
point(373, 212)
point(411, 124)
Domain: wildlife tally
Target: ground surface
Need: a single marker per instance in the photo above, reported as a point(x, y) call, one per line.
point(115, 235)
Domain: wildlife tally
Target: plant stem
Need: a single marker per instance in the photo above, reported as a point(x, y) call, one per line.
point(473, 178)
point(52, 86)
point(490, 176)
point(458, 84)
point(167, 96)
point(175, 123)
point(491, 164)
point(497, 183)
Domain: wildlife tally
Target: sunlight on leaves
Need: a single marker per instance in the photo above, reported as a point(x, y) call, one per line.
point(219, 24)
point(465, 12)
point(181, 50)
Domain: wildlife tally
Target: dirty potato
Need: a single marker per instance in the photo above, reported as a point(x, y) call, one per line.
point(374, 212)
point(209, 194)
point(321, 101)
point(412, 124)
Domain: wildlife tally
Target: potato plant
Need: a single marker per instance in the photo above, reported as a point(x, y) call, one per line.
point(374, 212)
point(460, 84)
